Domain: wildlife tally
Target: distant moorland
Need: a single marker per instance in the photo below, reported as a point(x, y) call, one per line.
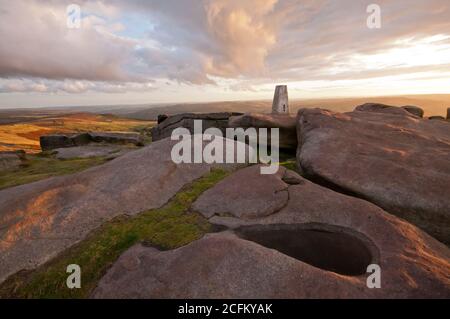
point(20, 130)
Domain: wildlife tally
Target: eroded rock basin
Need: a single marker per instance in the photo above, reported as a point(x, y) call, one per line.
point(329, 248)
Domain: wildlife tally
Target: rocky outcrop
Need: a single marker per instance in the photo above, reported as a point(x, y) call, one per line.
point(42, 219)
point(109, 151)
point(186, 120)
point(11, 160)
point(437, 117)
point(382, 108)
point(285, 122)
point(448, 113)
point(162, 118)
point(318, 245)
point(397, 161)
point(417, 111)
point(51, 142)
point(116, 138)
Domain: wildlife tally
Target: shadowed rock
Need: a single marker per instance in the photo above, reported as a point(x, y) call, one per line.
point(186, 120)
point(42, 219)
point(285, 122)
point(437, 117)
point(417, 111)
point(51, 142)
point(399, 162)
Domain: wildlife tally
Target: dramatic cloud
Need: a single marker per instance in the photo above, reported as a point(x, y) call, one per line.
point(240, 45)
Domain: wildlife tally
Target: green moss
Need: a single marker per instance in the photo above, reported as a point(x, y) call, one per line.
point(290, 164)
point(168, 227)
point(43, 166)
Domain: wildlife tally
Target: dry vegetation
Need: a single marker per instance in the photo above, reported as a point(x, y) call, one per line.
point(25, 135)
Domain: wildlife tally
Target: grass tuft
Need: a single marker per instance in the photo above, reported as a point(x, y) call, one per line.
point(42, 166)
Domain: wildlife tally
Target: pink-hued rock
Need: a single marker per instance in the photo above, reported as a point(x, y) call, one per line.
point(399, 162)
point(257, 195)
point(42, 219)
point(234, 264)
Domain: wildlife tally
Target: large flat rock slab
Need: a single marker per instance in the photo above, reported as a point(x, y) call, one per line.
point(88, 151)
point(41, 219)
point(317, 246)
point(389, 157)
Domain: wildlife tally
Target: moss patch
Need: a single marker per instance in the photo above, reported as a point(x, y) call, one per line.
point(43, 166)
point(168, 227)
point(290, 164)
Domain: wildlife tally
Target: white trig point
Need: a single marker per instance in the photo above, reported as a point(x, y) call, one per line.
point(280, 100)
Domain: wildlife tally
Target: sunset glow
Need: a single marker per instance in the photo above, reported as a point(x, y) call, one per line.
point(162, 52)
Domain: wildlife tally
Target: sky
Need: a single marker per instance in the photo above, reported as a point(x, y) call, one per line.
point(171, 51)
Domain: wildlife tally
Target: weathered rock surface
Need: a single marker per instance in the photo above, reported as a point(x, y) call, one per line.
point(186, 120)
point(116, 138)
point(11, 160)
point(437, 117)
point(289, 254)
point(417, 111)
point(448, 113)
point(285, 122)
point(257, 195)
point(41, 219)
point(51, 142)
point(383, 108)
point(401, 163)
point(162, 118)
point(90, 151)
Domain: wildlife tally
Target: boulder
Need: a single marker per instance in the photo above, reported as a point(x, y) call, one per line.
point(89, 151)
point(186, 120)
point(257, 195)
point(11, 160)
point(81, 139)
point(400, 163)
point(162, 118)
point(42, 219)
point(437, 117)
point(116, 138)
point(417, 111)
point(285, 122)
point(318, 245)
point(382, 108)
point(51, 142)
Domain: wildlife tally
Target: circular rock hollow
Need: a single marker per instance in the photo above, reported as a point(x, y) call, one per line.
point(327, 247)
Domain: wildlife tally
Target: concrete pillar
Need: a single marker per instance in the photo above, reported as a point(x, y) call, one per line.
point(280, 100)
